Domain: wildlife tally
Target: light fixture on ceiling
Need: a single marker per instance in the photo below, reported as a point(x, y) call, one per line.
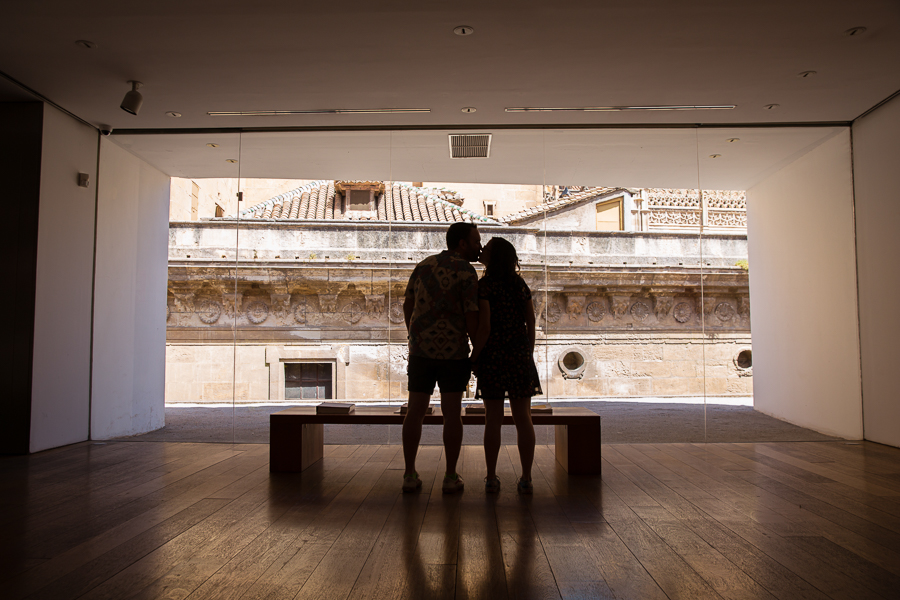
point(324, 111)
point(855, 31)
point(468, 109)
point(622, 108)
point(86, 44)
point(212, 145)
point(231, 160)
point(174, 114)
point(771, 106)
point(733, 140)
point(715, 156)
point(806, 74)
point(463, 30)
point(132, 101)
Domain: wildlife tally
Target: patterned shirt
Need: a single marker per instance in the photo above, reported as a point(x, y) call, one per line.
point(444, 287)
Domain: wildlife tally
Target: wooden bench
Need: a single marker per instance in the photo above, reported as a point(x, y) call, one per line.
point(297, 435)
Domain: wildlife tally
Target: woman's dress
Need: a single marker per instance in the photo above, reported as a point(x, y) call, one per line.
point(506, 366)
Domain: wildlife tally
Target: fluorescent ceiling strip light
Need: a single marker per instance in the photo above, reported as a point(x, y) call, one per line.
point(623, 108)
point(326, 111)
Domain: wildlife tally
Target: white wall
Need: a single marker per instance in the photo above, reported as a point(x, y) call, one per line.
point(62, 324)
point(876, 148)
point(130, 292)
point(803, 292)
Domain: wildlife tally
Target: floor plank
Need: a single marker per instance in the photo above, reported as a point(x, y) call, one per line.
point(195, 521)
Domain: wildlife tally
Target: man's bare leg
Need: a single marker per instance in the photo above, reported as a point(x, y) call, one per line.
point(451, 409)
point(412, 428)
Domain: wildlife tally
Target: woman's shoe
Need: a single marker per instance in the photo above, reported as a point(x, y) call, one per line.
point(524, 487)
point(491, 486)
point(411, 483)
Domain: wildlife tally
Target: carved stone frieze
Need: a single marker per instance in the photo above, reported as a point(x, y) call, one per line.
point(662, 305)
point(231, 304)
point(640, 310)
point(596, 311)
point(375, 304)
point(675, 217)
point(300, 312)
point(281, 306)
point(550, 313)
point(718, 218)
point(395, 314)
point(725, 311)
point(744, 306)
point(257, 311)
point(672, 197)
point(352, 312)
point(328, 303)
point(574, 305)
point(709, 304)
point(683, 312)
point(618, 305)
point(184, 307)
point(209, 311)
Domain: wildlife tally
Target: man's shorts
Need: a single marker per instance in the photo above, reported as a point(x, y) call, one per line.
point(450, 375)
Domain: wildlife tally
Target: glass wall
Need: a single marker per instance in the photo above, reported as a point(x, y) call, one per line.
point(290, 251)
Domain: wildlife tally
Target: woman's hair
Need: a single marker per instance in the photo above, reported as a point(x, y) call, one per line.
point(504, 261)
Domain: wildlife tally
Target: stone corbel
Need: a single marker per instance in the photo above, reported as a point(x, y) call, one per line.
point(328, 303)
point(662, 304)
point(574, 305)
point(744, 306)
point(281, 305)
point(232, 304)
point(184, 305)
point(709, 305)
point(375, 304)
point(618, 304)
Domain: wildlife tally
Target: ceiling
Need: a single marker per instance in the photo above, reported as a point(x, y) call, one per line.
point(197, 57)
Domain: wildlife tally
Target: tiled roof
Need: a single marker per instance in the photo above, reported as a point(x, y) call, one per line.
point(399, 202)
point(591, 193)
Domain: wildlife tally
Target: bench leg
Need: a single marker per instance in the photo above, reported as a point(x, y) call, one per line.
point(294, 446)
point(578, 448)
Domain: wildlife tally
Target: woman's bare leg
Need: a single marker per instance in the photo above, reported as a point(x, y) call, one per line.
point(493, 421)
point(521, 413)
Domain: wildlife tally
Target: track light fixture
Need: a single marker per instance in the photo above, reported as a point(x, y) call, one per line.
point(133, 99)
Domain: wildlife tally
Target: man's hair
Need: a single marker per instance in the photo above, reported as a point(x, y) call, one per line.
point(457, 233)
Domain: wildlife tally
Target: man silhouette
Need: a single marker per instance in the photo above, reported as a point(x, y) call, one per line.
point(441, 312)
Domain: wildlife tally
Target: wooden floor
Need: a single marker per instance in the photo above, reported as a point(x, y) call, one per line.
point(181, 520)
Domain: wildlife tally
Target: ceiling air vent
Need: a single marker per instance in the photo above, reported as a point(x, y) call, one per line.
point(470, 145)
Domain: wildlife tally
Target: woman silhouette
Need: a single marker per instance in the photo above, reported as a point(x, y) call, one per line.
point(503, 359)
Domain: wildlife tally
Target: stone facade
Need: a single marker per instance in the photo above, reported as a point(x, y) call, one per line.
point(619, 313)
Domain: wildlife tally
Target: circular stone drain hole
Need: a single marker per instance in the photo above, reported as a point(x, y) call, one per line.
point(744, 359)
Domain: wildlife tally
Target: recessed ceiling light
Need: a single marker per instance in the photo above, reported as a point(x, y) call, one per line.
point(231, 160)
point(86, 44)
point(326, 111)
point(771, 106)
point(715, 155)
point(468, 109)
point(172, 113)
point(805, 74)
point(463, 30)
point(733, 140)
point(621, 108)
point(212, 145)
point(855, 31)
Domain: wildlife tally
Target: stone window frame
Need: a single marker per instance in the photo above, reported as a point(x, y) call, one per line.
point(568, 373)
point(337, 355)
